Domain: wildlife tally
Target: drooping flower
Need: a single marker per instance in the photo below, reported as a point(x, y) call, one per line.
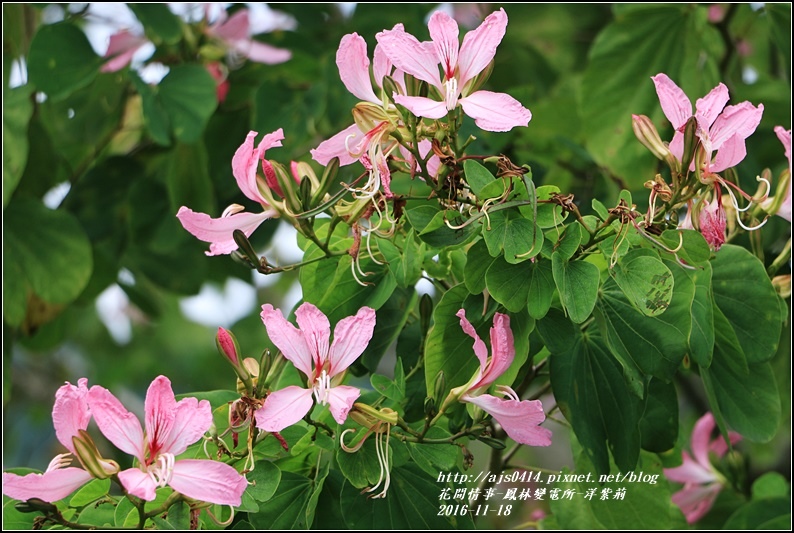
point(702, 482)
point(520, 419)
point(70, 416)
point(234, 32)
point(219, 231)
point(460, 66)
point(310, 350)
point(122, 47)
point(171, 427)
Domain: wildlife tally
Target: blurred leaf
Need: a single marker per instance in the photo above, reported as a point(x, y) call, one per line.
point(765, 514)
point(125, 515)
point(592, 394)
point(780, 27)
point(743, 292)
point(771, 485)
point(159, 23)
point(659, 423)
point(412, 503)
point(640, 43)
point(61, 60)
point(188, 180)
point(17, 110)
point(50, 247)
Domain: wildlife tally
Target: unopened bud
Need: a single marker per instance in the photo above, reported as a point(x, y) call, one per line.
point(285, 185)
point(227, 346)
point(370, 417)
point(247, 372)
point(430, 407)
point(691, 142)
point(89, 456)
point(648, 135)
point(245, 249)
point(782, 285)
point(496, 444)
point(369, 116)
point(328, 179)
point(390, 88)
point(35, 505)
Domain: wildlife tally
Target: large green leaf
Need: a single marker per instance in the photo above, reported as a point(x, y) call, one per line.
point(188, 179)
point(509, 284)
point(478, 261)
point(645, 281)
point(159, 22)
point(701, 335)
point(17, 110)
point(577, 282)
point(592, 394)
point(405, 264)
point(430, 225)
point(479, 178)
point(390, 320)
point(508, 232)
point(61, 60)
point(744, 294)
point(263, 481)
point(287, 509)
point(411, 503)
point(746, 396)
point(640, 43)
point(765, 513)
point(49, 247)
point(659, 424)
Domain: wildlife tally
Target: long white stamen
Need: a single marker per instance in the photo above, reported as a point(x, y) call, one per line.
point(322, 389)
point(162, 470)
point(507, 392)
point(62, 460)
point(451, 96)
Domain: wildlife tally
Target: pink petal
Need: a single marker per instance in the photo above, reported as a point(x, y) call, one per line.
point(283, 408)
point(785, 138)
point(520, 420)
point(701, 437)
point(316, 330)
point(351, 337)
point(121, 49)
point(244, 165)
point(51, 486)
point(261, 52)
point(690, 471)
point(138, 483)
point(696, 501)
point(208, 481)
point(409, 55)
point(675, 104)
point(444, 32)
point(118, 425)
point(219, 231)
point(288, 339)
point(337, 145)
point(495, 111)
point(480, 350)
point(232, 29)
point(710, 106)
point(70, 412)
point(382, 67)
point(479, 46)
point(502, 351)
point(172, 426)
point(742, 120)
point(353, 64)
point(422, 107)
point(731, 153)
point(677, 147)
point(340, 401)
point(719, 447)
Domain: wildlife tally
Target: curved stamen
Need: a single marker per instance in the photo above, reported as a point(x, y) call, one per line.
point(161, 471)
point(62, 460)
point(355, 447)
point(507, 392)
point(322, 388)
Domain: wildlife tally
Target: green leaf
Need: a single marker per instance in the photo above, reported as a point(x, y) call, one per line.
point(600, 209)
point(746, 395)
point(412, 503)
point(61, 60)
point(780, 27)
point(154, 114)
point(287, 509)
point(771, 485)
point(478, 261)
point(126, 515)
point(692, 247)
point(263, 481)
point(592, 394)
point(435, 458)
point(159, 23)
point(14, 519)
point(758, 513)
point(429, 224)
point(509, 284)
point(570, 240)
point(541, 288)
point(659, 424)
point(91, 492)
point(360, 468)
point(645, 346)
point(17, 110)
point(390, 320)
point(100, 515)
point(187, 178)
point(50, 247)
point(406, 265)
point(387, 387)
point(743, 292)
point(701, 335)
point(510, 232)
point(478, 177)
point(577, 282)
point(645, 280)
point(177, 517)
point(549, 214)
point(640, 43)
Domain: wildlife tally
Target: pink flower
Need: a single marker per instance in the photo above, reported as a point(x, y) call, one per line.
point(784, 210)
point(234, 33)
point(720, 129)
point(171, 427)
point(70, 414)
point(219, 231)
point(702, 482)
point(460, 65)
point(309, 350)
point(712, 223)
point(123, 45)
point(520, 419)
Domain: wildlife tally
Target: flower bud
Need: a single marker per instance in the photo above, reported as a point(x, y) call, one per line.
point(691, 142)
point(91, 459)
point(227, 346)
point(370, 417)
point(369, 116)
point(782, 285)
point(649, 137)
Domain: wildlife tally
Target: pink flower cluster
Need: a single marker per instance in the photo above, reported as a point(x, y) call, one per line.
point(170, 427)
